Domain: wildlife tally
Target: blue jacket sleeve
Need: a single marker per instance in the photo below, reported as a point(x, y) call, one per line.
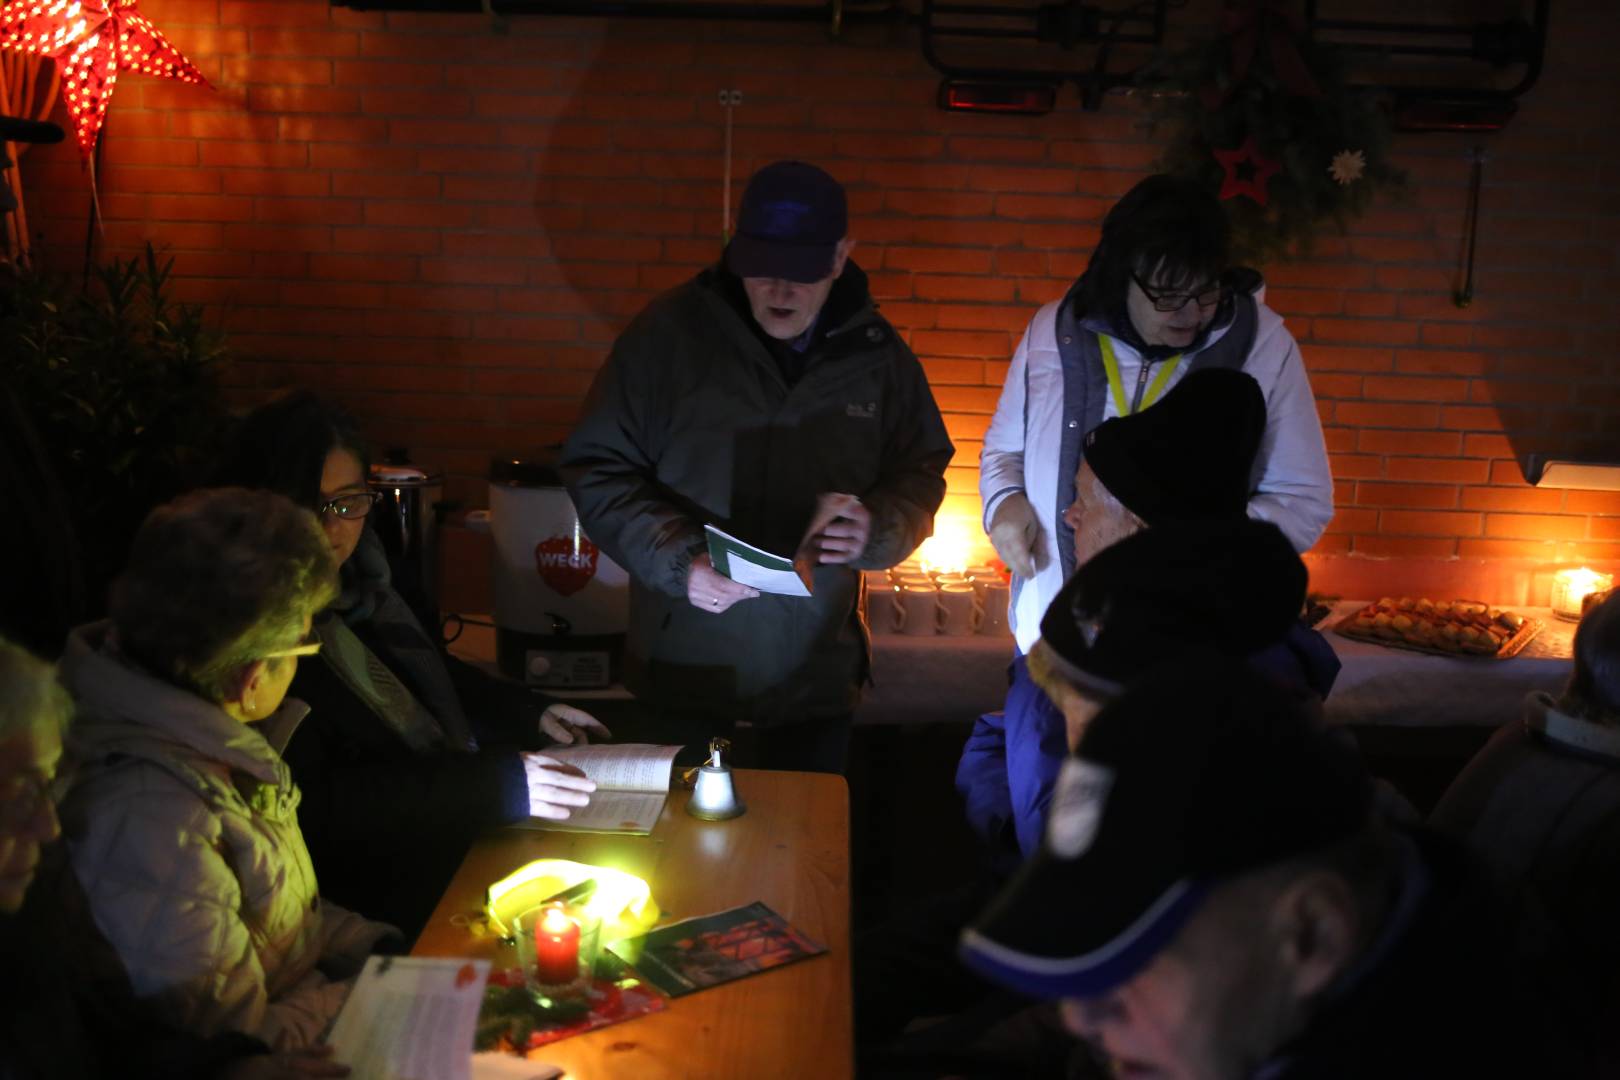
point(981, 778)
point(1037, 742)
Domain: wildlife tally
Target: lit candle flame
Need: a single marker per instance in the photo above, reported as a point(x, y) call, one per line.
point(950, 549)
point(554, 921)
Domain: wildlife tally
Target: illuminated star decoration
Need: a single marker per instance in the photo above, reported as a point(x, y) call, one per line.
point(1348, 166)
point(92, 41)
point(1247, 172)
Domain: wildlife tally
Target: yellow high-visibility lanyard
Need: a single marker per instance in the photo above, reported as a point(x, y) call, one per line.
point(1167, 368)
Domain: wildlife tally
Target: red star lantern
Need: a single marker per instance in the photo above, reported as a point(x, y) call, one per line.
point(92, 40)
point(1247, 172)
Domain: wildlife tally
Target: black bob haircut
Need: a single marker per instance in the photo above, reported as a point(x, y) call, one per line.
point(282, 446)
point(1169, 231)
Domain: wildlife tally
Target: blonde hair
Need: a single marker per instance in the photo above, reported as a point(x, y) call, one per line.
point(215, 580)
point(30, 696)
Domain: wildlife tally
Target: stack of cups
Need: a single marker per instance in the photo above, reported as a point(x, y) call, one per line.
point(917, 602)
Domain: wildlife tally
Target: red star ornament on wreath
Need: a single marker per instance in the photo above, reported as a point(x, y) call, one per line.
point(1247, 172)
point(92, 40)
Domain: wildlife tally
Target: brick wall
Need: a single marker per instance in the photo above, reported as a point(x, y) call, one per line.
point(445, 228)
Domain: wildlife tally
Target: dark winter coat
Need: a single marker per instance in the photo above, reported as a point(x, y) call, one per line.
point(693, 421)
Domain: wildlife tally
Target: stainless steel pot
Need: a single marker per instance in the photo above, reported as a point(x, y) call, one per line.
point(406, 520)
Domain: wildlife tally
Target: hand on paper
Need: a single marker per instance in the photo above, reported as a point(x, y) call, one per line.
point(555, 788)
point(286, 1065)
point(568, 726)
point(843, 538)
point(710, 590)
point(1014, 531)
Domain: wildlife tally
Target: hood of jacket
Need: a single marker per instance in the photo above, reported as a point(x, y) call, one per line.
point(1543, 716)
point(126, 712)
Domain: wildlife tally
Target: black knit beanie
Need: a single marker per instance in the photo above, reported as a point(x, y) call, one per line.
point(1190, 455)
point(1233, 586)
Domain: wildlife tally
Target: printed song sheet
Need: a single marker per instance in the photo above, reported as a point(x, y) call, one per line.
point(411, 1018)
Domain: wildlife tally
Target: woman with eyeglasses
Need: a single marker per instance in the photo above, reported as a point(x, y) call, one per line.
point(182, 820)
point(409, 755)
point(1158, 299)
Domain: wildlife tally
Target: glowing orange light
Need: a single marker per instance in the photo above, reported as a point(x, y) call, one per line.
point(955, 545)
point(85, 30)
point(1570, 587)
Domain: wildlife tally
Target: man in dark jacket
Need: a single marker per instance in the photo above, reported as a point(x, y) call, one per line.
point(762, 391)
point(1218, 897)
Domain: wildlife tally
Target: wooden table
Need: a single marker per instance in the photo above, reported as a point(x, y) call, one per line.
point(791, 850)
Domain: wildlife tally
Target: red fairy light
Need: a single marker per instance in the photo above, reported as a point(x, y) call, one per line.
point(92, 40)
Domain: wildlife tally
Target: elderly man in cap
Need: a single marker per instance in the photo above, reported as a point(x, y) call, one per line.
point(754, 398)
point(1218, 898)
point(1237, 585)
point(1232, 586)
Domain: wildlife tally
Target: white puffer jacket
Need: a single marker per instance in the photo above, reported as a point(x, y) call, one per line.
point(183, 829)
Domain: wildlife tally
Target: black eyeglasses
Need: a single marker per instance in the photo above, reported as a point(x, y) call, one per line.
point(1204, 298)
point(309, 646)
point(349, 507)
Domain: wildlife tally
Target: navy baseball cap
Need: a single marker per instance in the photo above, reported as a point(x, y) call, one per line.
point(792, 217)
point(1201, 772)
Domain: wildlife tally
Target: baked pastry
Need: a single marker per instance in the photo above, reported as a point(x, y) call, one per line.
point(1464, 627)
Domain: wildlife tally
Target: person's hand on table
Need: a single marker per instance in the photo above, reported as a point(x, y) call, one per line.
point(843, 538)
point(568, 726)
point(710, 590)
point(555, 787)
point(286, 1065)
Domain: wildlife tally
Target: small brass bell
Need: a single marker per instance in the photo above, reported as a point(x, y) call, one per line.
point(714, 794)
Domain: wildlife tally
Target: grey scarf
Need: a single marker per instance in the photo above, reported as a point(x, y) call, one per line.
point(432, 721)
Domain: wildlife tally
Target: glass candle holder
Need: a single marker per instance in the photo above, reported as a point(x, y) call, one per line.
point(1571, 587)
point(557, 946)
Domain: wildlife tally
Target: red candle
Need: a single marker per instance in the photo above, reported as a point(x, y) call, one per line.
point(556, 948)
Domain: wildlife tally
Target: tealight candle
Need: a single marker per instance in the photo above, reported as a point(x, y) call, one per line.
point(556, 948)
point(1570, 587)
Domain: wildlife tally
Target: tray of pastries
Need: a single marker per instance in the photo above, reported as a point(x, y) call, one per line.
point(1442, 627)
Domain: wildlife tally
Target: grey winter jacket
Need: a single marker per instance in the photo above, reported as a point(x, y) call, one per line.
point(691, 421)
point(182, 825)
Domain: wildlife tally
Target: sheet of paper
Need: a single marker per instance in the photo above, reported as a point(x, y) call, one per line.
point(757, 568)
point(497, 1066)
point(624, 766)
point(411, 1018)
point(633, 812)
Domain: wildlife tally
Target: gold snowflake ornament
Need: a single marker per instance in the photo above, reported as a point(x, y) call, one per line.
point(1348, 166)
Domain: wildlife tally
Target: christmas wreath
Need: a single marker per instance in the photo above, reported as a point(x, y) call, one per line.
point(1267, 119)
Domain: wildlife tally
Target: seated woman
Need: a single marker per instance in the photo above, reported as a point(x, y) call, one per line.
point(182, 822)
point(66, 1007)
point(395, 784)
point(1541, 801)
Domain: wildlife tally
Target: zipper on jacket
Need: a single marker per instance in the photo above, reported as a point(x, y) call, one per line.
point(1141, 384)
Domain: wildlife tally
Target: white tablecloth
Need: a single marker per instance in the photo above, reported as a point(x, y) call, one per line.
point(1384, 685)
point(954, 679)
point(922, 680)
